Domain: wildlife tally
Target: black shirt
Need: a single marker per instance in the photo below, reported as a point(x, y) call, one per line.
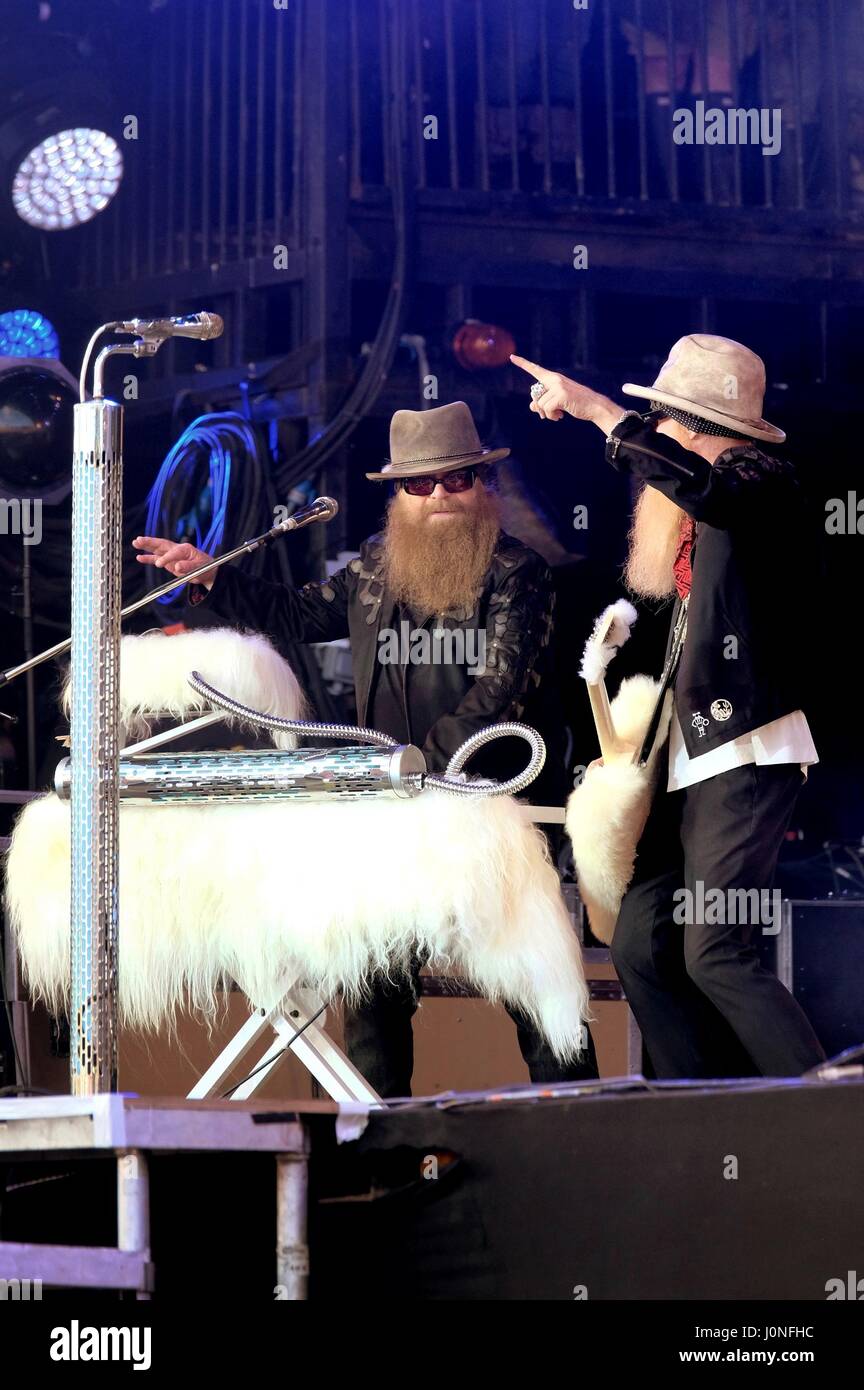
point(400, 704)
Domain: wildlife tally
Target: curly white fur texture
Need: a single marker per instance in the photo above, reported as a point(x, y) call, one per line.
point(610, 632)
point(272, 892)
point(154, 671)
point(606, 813)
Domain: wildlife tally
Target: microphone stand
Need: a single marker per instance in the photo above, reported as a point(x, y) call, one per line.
point(291, 523)
point(27, 618)
point(97, 523)
point(97, 510)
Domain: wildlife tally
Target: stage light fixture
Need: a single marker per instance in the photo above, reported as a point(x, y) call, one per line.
point(482, 345)
point(67, 178)
point(27, 333)
point(36, 425)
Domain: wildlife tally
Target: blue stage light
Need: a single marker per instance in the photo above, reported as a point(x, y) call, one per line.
point(25, 333)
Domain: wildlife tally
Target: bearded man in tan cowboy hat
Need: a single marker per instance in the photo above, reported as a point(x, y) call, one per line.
point(441, 562)
point(718, 526)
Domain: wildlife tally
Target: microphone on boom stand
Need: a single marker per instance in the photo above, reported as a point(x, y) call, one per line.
point(322, 509)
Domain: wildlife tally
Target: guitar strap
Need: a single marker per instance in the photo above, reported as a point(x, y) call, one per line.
point(666, 680)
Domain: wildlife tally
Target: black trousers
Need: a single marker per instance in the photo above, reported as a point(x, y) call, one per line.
point(380, 1042)
point(703, 1002)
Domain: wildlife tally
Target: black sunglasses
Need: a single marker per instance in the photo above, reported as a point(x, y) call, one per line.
point(458, 480)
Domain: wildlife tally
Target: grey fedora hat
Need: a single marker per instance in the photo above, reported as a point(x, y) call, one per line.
point(716, 379)
point(434, 441)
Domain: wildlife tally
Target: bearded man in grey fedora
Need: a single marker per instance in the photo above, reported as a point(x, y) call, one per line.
point(441, 562)
point(721, 527)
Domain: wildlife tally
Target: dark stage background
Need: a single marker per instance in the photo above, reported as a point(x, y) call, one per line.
point(278, 171)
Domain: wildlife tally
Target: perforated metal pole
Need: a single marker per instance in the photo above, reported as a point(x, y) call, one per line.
point(97, 478)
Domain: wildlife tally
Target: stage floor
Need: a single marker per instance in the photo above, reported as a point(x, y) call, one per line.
point(618, 1190)
point(628, 1190)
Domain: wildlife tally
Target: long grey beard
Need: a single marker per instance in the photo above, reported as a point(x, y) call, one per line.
point(655, 537)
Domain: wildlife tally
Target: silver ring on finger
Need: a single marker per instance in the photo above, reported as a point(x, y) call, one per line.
point(538, 390)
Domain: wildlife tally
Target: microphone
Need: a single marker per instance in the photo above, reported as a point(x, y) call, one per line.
point(203, 326)
point(322, 509)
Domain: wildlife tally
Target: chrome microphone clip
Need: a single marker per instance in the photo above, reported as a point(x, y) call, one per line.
point(202, 326)
point(150, 334)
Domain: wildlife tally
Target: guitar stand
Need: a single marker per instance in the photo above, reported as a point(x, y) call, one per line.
point(292, 1013)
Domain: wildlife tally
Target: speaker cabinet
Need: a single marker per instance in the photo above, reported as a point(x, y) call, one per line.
point(819, 955)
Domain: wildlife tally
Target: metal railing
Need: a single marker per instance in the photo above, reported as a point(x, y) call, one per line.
point(214, 165)
point(504, 98)
point(547, 98)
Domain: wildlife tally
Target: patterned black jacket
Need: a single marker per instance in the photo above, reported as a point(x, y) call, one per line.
point(514, 611)
point(750, 625)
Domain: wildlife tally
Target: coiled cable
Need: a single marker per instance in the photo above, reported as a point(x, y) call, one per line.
point(432, 780)
point(174, 503)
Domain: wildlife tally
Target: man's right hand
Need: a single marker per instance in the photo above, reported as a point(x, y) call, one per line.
point(177, 557)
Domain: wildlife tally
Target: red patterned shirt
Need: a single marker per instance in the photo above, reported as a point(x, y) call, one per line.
point(681, 567)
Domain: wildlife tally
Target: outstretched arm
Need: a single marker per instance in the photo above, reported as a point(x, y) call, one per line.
point(723, 494)
point(563, 396)
point(315, 613)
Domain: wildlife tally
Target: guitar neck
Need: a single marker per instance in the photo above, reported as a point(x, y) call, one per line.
point(610, 744)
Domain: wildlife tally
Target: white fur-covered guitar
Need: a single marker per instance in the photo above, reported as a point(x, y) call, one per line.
point(606, 813)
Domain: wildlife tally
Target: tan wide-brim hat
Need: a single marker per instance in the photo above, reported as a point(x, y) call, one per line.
point(434, 441)
point(716, 379)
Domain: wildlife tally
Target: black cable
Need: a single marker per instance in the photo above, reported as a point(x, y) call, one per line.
point(26, 1091)
point(271, 1061)
point(379, 361)
point(38, 1182)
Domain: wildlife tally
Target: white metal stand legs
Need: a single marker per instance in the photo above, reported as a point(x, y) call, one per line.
point(315, 1049)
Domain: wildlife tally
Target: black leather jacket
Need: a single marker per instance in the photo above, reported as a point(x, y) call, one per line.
point(514, 610)
point(750, 625)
